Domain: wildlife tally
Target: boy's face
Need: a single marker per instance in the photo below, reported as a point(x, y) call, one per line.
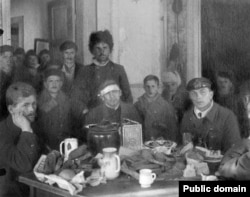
point(151, 88)
point(171, 86)
point(25, 106)
point(6, 61)
point(53, 84)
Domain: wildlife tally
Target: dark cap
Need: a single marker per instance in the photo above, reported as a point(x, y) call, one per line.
point(1, 31)
point(5, 48)
point(68, 45)
point(197, 83)
point(53, 71)
point(100, 36)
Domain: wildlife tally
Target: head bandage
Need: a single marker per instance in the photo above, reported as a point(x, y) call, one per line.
point(108, 89)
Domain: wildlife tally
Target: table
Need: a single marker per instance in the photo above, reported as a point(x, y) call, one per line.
point(122, 187)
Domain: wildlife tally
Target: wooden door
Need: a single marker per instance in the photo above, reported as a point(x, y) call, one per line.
point(61, 24)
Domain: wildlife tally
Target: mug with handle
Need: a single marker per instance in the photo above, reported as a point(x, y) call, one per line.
point(146, 177)
point(68, 145)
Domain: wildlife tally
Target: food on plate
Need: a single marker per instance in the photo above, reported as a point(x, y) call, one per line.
point(160, 157)
point(156, 143)
point(209, 154)
point(67, 174)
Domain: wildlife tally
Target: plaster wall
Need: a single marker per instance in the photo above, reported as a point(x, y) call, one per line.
point(137, 28)
point(35, 19)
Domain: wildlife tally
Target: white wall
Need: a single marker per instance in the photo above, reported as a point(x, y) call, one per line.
point(35, 19)
point(137, 27)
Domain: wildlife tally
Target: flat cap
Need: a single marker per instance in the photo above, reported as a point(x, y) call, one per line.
point(53, 71)
point(5, 48)
point(197, 83)
point(68, 45)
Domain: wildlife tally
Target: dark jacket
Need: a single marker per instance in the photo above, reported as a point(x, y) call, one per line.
point(19, 152)
point(5, 81)
point(92, 76)
point(218, 130)
point(158, 118)
point(58, 118)
point(102, 112)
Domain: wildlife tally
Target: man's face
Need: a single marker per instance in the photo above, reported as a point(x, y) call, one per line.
point(26, 106)
point(6, 61)
point(53, 84)
point(112, 98)
point(224, 85)
point(171, 86)
point(69, 56)
point(45, 58)
point(201, 98)
point(151, 88)
point(101, 52)
point(33, 61)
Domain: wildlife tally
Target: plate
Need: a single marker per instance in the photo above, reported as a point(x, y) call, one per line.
point(157, 143)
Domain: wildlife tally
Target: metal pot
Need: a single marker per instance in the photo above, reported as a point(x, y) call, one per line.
point(103, 136)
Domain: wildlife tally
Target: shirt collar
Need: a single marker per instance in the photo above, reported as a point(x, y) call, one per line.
point(203, 113)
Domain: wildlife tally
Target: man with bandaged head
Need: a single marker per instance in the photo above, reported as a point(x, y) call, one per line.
point(112, 108)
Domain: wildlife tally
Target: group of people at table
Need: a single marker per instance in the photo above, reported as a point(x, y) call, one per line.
point(44, 102)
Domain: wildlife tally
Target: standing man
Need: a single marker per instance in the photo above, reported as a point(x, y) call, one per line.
point(210, 125)
point(6, 73)
point(102, 69)
point(19, 150)
point(70, 67)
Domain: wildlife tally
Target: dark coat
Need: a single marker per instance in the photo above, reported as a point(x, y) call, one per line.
point(92, 76)
point(5, 81)
point(218, 130)
point(158, 118)
point(102, 112)
point(58, 118)
point(19, 152)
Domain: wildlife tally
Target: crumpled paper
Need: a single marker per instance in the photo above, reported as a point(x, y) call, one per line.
point(75, 185)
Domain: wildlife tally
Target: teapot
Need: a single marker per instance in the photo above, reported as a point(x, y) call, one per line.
point(110, 163)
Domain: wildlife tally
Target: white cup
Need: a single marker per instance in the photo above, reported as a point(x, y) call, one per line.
point(67, 145)
point(146, 177)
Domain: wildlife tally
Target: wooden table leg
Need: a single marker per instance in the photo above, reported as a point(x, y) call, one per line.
point(32, 191)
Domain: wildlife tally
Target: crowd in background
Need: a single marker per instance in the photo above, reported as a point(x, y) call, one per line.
point(69, 95)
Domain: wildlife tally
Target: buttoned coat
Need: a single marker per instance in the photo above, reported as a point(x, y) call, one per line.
point(218, 130)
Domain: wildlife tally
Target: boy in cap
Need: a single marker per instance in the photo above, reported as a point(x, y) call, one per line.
point(112, 108)
point(19, 148)
point(57, 114)
point(210, 125)
point(158, 115)
point(6, 78)
point(102, 69)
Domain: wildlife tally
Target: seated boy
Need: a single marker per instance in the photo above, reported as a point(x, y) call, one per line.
point(58, 115)
point(157, 114)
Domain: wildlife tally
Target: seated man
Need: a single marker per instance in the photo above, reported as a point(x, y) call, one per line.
point(19, 149)
point(210, 125)
point(112, 109)
point(58, 117)
point(158, 115)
